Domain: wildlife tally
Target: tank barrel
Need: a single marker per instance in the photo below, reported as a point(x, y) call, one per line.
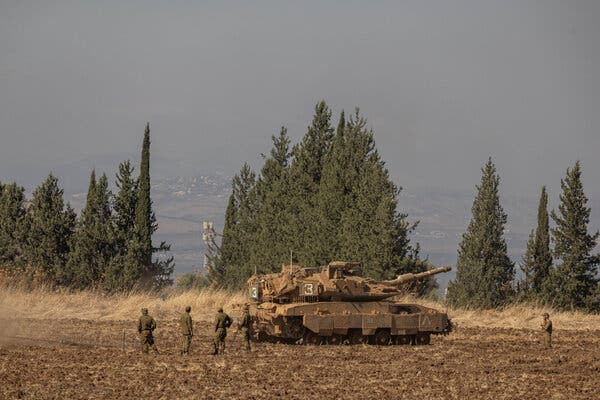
point(414, 277)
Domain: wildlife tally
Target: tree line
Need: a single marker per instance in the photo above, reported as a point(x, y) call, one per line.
point(330, 197)
point(564, 277)
point(109, 246)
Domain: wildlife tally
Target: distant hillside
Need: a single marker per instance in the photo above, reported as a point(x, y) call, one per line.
point(182, 203)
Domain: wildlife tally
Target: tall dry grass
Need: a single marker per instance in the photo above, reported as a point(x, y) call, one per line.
point(45, 303)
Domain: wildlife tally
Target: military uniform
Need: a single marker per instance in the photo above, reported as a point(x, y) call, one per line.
point(547, 331)
point(187, 330)
point(222, 322)
point(146, 326)
point(244, 326)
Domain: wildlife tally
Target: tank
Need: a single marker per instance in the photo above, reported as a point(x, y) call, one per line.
point(335, 304)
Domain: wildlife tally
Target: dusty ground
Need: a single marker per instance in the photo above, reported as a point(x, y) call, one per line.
point(80, 359)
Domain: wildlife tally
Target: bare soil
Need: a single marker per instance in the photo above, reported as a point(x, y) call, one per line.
point(83, 359)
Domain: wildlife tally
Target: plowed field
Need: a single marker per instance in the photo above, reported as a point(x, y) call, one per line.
point(79, 359)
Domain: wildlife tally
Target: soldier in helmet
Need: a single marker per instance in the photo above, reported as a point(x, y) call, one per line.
point(244, 326)
point(187, 330)
point(222, 322)
point(547, 331)
point(146, 326)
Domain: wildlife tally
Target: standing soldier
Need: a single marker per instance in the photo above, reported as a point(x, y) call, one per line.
point(187, 330)
point(547, 331)
point(222, 322)
point(146, 326)
point(244, 325)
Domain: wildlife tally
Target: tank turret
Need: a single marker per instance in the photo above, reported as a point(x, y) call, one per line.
point(338, 281)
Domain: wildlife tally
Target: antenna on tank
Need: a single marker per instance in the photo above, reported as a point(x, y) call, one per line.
point(291, 258)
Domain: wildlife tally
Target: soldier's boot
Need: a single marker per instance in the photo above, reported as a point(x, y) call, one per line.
point(222, 348)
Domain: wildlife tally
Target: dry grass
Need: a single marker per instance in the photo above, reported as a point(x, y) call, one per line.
point(47, 304)
point(43, 303)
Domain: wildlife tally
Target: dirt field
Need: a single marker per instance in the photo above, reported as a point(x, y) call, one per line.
point(81, 359)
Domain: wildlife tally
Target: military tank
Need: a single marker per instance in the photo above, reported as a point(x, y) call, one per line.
point(335, 304)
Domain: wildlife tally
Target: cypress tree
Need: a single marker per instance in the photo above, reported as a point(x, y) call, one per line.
point(484, 271)
point(574, 281)
point(145, 222)
point(538, 257)
point(525, 285)
point(157, 273)
point(12, 215)
point(49, 226)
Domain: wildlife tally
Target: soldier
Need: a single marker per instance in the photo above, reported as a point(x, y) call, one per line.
point(244, 326)
point(222, 322)
point(547, 331)
point(187, 330)
point(146, 326)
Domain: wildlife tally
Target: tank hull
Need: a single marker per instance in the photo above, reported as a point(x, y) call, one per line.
point(381, 322)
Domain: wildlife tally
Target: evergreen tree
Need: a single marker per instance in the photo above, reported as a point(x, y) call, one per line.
point(93, 243)
point(574, 281)
point(329, 198)
point(484, 271)
point(123, 271)
point(538, 257)
point(525, 285)
point(305, 177)
point(230, 261)
point(12, 215)
point(272, 239)
point(154, 273)
point(145, 221)
point(358, 203)
point(49, 227)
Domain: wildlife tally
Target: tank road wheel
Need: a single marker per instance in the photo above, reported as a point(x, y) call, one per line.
point(334, 339)
point(403, 339)
point(262, 336)
point(382, 337)
point(312, 339)
point(423, 338)
point(356, 337)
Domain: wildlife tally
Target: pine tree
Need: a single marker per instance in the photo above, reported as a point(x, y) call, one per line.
point(230, 262)
point(272, 239)
point(306, 171)
point(93, 244)
point(574, 281)
point(484, 271)
point(537, 260)
point(49, 227)
point(12, 215)
point(123, 271)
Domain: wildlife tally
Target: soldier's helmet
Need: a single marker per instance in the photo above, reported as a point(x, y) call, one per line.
point(144, 311)
point(546, 315)
point(188, 309)
point(220, 309)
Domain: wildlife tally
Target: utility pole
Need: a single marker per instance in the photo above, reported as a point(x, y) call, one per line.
point(208, 235)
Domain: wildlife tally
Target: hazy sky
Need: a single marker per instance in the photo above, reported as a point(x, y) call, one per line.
point(444, 84)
